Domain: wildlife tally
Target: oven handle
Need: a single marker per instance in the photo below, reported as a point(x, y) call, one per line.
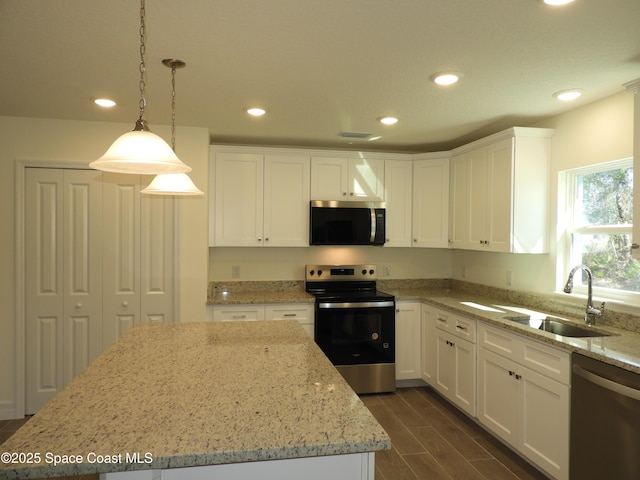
point(384, 304)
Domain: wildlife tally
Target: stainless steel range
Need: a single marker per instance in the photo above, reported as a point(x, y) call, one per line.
point(355, 324)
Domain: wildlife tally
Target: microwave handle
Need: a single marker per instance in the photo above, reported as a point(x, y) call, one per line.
point(373, 225)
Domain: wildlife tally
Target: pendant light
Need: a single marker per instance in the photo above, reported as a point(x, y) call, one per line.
point(140, 151)
point(173, 183)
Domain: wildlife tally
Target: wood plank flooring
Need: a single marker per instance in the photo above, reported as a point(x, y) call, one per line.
point(430, 440)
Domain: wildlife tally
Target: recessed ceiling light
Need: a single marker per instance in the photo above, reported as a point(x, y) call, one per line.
point(256, 112)
point(568, 95)
point(555, 3)
point(446, 78)
point(388, 120)
point(104, 102)
point(374, 138)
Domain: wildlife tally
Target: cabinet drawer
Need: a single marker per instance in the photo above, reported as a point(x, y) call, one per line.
point(538, 356)
point(301, 313)
point(457, 325)
point(243, 313)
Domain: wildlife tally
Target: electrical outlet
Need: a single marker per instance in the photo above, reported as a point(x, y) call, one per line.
point(235, 271)
point(509, 278)
point(386, 271)
point(464, 271)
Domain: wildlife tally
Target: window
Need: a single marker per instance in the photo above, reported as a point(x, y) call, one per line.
point(597, 227)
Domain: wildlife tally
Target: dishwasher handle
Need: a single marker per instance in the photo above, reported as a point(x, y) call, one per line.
point(606, 383)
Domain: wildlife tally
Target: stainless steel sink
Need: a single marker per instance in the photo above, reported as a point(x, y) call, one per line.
point(557, 327)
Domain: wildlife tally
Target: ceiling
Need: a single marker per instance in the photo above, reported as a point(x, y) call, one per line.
point(319, 67)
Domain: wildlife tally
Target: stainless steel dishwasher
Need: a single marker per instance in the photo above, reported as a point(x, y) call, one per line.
point(605, 421)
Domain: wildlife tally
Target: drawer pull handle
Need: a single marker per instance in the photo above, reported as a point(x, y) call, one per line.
point(290, 315)
point(238, 316)
point(460, 327)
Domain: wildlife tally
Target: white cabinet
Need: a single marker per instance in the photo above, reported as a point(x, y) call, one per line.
point(343, 178)
point(408, 340)
point(398, 179)
point(523, 396)
point(455, 370)
point(430, 202)
point(303, 313)
point(429, 353)
point(499, 192)
point(258, 199)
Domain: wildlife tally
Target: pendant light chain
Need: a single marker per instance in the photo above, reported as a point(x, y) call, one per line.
point(143, 33)
point(173, 107)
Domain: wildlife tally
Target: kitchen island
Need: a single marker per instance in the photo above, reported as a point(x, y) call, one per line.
point(196, 400)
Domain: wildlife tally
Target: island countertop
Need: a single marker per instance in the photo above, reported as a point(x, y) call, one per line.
point(191, 394)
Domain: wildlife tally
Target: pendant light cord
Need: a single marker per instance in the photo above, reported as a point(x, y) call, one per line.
point(173, 107)
point(143, 33)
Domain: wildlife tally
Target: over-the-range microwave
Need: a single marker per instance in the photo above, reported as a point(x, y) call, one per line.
point(346, 223)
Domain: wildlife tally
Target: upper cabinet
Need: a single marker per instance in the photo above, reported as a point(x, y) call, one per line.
point(499, 192)
point(430, 201)
point(398, 175)
point(347, 179)
point(259, 199)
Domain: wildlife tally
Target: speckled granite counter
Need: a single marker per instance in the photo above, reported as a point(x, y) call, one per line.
point(200, 394)
point(236, 293)
point(621, 349)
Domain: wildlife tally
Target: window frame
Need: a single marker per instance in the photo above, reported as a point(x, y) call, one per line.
point(566, 258)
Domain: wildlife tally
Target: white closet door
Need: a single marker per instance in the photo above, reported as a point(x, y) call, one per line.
point(63, 278)
point(158, 270)
point(121, 255)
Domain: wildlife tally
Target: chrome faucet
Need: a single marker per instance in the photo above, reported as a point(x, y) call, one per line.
point(591, 313)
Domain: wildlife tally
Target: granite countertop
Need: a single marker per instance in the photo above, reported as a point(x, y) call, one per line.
point(189, 394)
point(247, 292)
point(621, 349)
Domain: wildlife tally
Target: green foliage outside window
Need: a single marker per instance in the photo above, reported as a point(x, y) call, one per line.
point(605, 202)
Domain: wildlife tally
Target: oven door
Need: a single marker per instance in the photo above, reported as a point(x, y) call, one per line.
point(356, 333)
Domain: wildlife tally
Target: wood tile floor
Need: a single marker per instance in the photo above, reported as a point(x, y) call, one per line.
point(430, 440)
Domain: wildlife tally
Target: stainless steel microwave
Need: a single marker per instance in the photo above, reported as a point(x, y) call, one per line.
point(346, 223)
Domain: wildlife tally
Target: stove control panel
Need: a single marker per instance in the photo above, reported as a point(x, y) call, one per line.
point(337, 273)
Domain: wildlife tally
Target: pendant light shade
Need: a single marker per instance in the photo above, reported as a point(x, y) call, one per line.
point(140, 152)
point(172, 184)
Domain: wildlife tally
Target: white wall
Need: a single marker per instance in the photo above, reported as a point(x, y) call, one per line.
point(595, 133)
point(75, 142)
point(269, 263)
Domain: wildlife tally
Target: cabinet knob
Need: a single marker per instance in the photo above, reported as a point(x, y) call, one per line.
point(344, 194)
point(78, 305)
point(415, 240)
point(259, 239)
point(266, 239)
point(351, 194)
point(125, 304)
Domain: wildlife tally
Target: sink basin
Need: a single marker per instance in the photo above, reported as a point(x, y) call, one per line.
point(557, 327)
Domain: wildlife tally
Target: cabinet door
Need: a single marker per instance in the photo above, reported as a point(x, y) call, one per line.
point(431, 203)
point(498, 395)
point(458, 202)
point(329, 178)
point(408, 362)
point(464, 394)
point(238, 199)
point(398, 188)
point(499, 196)
point(366, 179)
point(445, 364)
point(429, 353)
point(544, 437)
point(477, 199)
point(286, 200)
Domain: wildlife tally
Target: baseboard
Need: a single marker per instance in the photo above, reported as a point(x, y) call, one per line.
point(8, 410)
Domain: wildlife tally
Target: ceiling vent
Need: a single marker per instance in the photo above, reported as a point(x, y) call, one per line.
point(355, 135)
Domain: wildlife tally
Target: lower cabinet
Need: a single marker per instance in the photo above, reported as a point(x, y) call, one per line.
point(523, 396)
point(408, 364)
point(304, 313)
